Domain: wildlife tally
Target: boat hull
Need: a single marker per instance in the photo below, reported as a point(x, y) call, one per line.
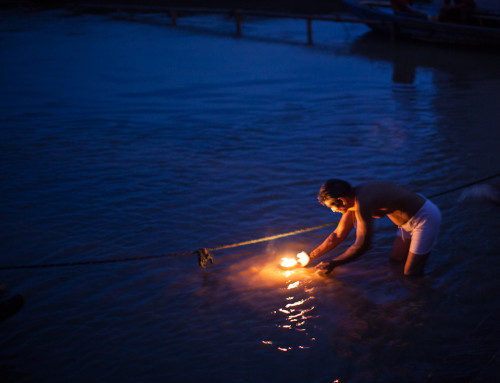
point(408, 27)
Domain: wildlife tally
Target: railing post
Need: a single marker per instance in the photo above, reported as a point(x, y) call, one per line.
point(173, 15)
point(394, 30)
point(309, 32)
point(238, 23)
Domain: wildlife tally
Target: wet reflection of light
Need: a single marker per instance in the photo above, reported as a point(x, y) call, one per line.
point(301, 323)
point(284, 311)
point(294, 315)
point(284, 349)
point(293, 285)
point(298, 303)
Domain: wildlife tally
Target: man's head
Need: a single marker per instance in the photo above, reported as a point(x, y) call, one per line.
point(336, 195)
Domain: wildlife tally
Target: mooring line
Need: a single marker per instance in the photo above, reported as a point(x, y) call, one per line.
point(270, 238)
point(465, 186)
point(204, 254)
point(148, 257)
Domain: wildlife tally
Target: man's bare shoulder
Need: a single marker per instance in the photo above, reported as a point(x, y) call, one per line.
point(386, 198)
point(369, 190)
point(384, 194)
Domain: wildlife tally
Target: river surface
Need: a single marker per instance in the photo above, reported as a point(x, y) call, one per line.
point(131, 138)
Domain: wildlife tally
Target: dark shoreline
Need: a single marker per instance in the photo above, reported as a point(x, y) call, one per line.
point(293, 6)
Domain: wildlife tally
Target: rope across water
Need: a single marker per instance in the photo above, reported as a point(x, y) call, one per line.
point(145, 258)
point(204, 254)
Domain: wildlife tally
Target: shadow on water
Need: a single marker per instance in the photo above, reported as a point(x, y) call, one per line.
point(407, 57)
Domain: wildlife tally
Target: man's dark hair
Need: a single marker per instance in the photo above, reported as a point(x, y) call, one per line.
point(333, 190)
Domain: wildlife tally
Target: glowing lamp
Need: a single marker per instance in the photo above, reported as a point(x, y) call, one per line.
point(288, 263)
point(303, 258)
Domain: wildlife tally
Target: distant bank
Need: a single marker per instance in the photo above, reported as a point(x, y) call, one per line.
point(293, 6)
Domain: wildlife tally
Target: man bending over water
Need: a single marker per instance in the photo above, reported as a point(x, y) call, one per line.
point(418, 220)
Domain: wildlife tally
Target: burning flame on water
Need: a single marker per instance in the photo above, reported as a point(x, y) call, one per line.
point(288, 262)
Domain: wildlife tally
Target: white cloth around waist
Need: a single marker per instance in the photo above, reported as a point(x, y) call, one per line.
point(423, 228)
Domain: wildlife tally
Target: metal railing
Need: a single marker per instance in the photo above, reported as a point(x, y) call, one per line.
point(238, 14)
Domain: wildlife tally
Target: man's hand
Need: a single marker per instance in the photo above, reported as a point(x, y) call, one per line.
point(303, 258)
point(328, 268)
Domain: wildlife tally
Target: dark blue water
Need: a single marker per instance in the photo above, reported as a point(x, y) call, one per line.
point(132, 138)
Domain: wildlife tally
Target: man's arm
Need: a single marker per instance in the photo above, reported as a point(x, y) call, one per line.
point(364, 233)
point(343, 228)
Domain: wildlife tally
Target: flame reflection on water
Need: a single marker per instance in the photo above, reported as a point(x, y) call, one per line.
point(285, 295)
point(294, 314)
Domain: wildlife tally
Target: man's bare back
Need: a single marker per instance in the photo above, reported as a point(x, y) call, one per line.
point(385, 198)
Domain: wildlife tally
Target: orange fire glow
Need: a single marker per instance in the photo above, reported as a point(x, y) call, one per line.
point(288, 262)
point(303, 258)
